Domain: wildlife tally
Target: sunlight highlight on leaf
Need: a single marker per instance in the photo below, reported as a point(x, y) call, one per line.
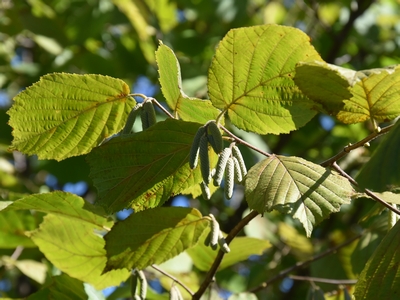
point(251, 77)
point(65, 115)
point(187, 108)
point(297, 187)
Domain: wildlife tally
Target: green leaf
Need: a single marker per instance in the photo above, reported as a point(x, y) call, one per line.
point(62, 204)
point(13, 228)
point(380, 278)
point(153, 236)
point(241, 248)
point(350, 95)
point(382, 170)
point(61, 287)
point(187, 108)
point(251, 77)
point(297, 187)
point(145, 169)
point(65, 115)
point(76, 248)
point(326, 84)
point(243, 296)
point(374, 96)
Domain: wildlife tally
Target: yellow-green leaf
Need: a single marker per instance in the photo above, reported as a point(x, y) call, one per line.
point(65, 115)
point(187, 108)
point(251, 77)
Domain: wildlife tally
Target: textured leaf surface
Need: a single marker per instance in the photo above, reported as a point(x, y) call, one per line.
point(251, 77)
point(63, 204)
point(144, 169)
point(153, 236)
point(241, 248)
point(187, 108)
point(382, 170)
point(375, 96)
point(350, 95)
point(75, 248)
point(326, 84)
point(297, 187)
point(61, 287)
point(380, 278)
point(66, 115)
point(13, 228)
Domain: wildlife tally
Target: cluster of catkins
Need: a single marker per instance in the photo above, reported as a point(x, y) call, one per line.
point(230, 164)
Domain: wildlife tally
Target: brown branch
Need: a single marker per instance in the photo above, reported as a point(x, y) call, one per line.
point(240, 141)
point(211, 273)
point(324, 280)
point(299, 265)
point(173, 278)
point(351, 147)
point(366, 191)
point(162, 108)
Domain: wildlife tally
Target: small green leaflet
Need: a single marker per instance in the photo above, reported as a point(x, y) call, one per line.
point(351, 96)
point(153, 236)
point(297, 187)
point(187, 108)
point(251, 77)
point(380, 278)
point(146, 168)
point(14, 226)
point(382, 170)
point(65, 115)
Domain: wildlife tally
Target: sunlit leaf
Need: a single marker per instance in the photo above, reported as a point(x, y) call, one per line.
point(145, 169)
point(326, 84)
point(65, 115)
point(63, 204)
point(76, 248)
point(382, 170)
point(165, 11)
point(297, 187)
point(13, 228)
point(187, 108)
point(380, 278)
point(251, 77)
point(61, 287)
point(350, 95)
point(241, 248)
point(153, 236)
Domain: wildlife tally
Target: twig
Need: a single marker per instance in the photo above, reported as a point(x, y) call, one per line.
point(239, 140)
point(299, 265)
point(324, 280)
point(17, 252)
point(162, 108)
point(351, 147)
point(173, 278)
point(367, 191)
point(211, 273)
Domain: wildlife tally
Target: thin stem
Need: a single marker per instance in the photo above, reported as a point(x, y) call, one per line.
point(324, 280)
point(17, 252)
point(366, 191)
point(211, 273)
point(239, 140)
point(351, 147)
point(299, 265)
point(162, 108)
point(173, 278)
point(138, 95)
